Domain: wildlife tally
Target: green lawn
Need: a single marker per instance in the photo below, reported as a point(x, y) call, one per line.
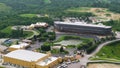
point(27, 34)
point(7, 30)
point(109, 52)
point(80, 9)
point(28, 15)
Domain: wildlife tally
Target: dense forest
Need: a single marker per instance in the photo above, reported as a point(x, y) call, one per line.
point(10, 10)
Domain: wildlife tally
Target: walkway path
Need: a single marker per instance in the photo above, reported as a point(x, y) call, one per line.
point(34, 33)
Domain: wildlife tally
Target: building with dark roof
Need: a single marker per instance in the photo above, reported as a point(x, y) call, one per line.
point(81, 27)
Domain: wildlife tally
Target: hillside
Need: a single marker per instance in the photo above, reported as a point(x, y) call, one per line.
point(59, 5)
point(4, 8)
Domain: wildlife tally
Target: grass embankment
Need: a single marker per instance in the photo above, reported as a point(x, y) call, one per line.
point(7, 30)
point(110, 52)
point(62, 38)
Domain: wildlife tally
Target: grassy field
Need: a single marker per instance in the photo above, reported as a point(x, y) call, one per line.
point(110, 52)
point(7, 30)
point(27, 34)
point(28, 15)
point(4, 8)
point(101, 13)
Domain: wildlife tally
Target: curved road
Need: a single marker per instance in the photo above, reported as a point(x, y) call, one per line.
point(34, 32)
point(85, 60)
point(101, 45)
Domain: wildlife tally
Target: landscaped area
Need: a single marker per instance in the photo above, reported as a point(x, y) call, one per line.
point(9, 32)
point(69, 42)
point(72, 40)
point(110, 52)
point(76, 42)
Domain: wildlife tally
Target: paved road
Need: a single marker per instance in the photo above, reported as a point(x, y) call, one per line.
point(85, 60)
point(36, 45)
point(101, 45)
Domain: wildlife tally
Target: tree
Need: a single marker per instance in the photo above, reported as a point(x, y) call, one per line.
point(45, 48)
point(61, 49)
point(52, 37)
point(35, 37)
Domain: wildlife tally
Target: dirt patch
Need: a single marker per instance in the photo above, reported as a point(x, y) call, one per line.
point(101, 13)
point(103, 65)
point(105, 13)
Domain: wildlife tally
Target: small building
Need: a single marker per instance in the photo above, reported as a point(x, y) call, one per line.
point(18, 46)
point(27, 41)
point(30, 59)
point(37, 25)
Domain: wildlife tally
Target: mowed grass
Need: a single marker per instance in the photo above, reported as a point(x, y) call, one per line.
point(7, 30)
point(4, 8)
point(28, 34)
point(28, 15)
point(109, 52)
